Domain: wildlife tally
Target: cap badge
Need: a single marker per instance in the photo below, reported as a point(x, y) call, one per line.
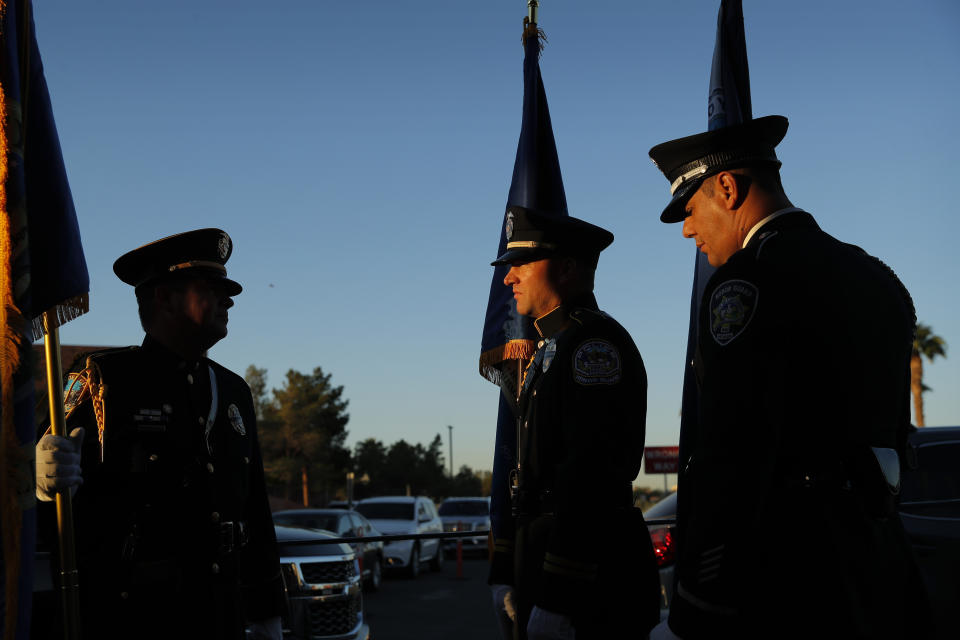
point(732, 306)
point(223, 245)
point(233, 413)
point(508, 227)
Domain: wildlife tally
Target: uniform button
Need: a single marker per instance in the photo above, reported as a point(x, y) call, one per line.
point(124, 595)
point(525, 423)
point(246, 460)
point(154, 457)
point(210, 467)
point(534, 393)
point(201, 420)
point(189, 378)
point(215, 568)
point(214, 517)
point(167, 408)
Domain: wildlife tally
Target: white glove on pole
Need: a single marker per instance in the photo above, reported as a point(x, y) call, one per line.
point(58, 464)
point(547, 625)
point(269, 629)
point(663, 632)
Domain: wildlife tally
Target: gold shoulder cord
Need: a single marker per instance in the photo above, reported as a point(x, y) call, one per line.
point(94, 388)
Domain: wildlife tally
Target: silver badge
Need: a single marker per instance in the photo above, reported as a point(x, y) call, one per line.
point(223, 246)
point(236, 420)
point(508, 227)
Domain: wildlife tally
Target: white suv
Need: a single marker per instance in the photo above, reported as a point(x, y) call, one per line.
point(395, 515)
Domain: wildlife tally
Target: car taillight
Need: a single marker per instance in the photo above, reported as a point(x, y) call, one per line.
point(664, 546)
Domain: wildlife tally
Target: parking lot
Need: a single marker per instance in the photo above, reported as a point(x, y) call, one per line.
point(435, 605)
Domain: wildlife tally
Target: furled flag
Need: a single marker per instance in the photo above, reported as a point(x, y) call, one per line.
point(728, 103)
point(507, 341)
point(42, 269)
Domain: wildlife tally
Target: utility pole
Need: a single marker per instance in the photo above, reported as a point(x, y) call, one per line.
point(450, 427)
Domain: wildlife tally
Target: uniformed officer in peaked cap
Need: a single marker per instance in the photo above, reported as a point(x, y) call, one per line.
point(174, 533)
point(788, 310)
point(581, 421)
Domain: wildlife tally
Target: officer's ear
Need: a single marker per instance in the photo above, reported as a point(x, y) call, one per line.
point(732, 188)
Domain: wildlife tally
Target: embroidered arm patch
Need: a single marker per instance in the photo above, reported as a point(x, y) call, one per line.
point(596, 362)
point(732, 306)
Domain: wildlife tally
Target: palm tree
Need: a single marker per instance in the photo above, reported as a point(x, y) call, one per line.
point(927, 345)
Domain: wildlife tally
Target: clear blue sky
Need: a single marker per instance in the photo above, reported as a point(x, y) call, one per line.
point(360, 154)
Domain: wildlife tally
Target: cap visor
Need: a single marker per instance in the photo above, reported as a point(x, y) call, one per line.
point(676, 211)
point(521, 255)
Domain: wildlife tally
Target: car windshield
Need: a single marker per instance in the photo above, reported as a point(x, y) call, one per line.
point(387, 510)
point(465, 508)
point(308, 520)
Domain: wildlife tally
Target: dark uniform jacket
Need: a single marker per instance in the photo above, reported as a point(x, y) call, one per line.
point(581, 549)
point(173, 530)
point(786, 525)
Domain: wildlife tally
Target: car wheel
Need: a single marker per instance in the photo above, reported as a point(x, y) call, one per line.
point(414, 569)
point(437, 563)
point(376, 575)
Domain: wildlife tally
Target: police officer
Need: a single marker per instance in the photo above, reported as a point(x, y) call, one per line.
point(174, 533)
point(581, 562)
point(787, 525)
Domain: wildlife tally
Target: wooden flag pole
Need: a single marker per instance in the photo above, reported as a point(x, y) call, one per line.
point(69, 577)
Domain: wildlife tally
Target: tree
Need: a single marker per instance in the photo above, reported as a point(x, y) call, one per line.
point(929, 346)
point(303, 428)
point(257, 381)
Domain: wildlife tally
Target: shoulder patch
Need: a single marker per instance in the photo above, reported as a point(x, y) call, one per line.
point(596, 362)
point(732, 306)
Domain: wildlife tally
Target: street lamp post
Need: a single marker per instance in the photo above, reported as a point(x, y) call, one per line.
point(450, 427)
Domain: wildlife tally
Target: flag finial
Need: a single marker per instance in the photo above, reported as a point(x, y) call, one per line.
point(532, 7)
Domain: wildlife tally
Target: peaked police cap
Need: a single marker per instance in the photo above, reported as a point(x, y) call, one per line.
point(686, 162)
point(533, 235)
point(195, 254)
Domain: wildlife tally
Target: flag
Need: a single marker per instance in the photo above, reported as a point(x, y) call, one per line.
point(42, 269)
point(728, 103)
point(508, 338)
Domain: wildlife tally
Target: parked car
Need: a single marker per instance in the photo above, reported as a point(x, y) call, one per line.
point(406, 514)
point(466, 514)
point(321, 586)
point(664, 545)
point(343, 524)
point(929, 509)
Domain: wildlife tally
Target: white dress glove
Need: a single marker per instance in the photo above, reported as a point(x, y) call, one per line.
point(58, 464)
point(547, 625)
point(269, 629)
point(663, 632)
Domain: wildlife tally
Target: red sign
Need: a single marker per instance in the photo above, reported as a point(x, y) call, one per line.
point(661, 459)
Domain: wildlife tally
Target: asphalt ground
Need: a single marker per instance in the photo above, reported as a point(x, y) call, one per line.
point(434, 605)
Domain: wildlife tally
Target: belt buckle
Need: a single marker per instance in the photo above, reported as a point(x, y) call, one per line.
point(226, 537)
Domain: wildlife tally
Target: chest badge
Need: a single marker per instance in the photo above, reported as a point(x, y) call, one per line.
point(549, 351)
point(233, 413)
point(732, 306)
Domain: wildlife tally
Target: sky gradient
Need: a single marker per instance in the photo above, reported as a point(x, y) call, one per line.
point(360, 154)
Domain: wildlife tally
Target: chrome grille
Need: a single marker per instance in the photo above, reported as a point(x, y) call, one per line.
point(335, 617)
point(326, 572)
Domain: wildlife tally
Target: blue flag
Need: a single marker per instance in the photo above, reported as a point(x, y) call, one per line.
point(507, 336)
point(42, 269)
point(728, 103)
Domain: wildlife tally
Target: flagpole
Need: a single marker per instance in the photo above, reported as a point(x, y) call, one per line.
point(69, 577)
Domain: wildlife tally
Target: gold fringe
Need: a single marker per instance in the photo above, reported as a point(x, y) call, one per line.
point(530, 29)
point(62, 313)
point(492, 359)
point(11, 324)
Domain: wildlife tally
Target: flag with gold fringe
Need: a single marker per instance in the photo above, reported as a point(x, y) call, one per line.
point(42, 269)
point(507, 341)
point(728, 103)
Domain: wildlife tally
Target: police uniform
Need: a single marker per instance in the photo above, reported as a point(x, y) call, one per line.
point(580, 548)
point(787, 524)
point(174, 532)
